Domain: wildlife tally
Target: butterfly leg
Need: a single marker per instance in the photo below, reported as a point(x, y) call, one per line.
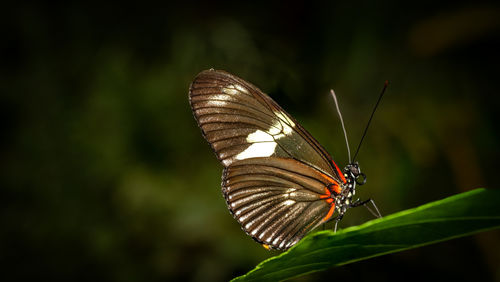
point(337, 219)
point(364, 203)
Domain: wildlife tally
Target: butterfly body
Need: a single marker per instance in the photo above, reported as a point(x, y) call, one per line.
point(278, 181)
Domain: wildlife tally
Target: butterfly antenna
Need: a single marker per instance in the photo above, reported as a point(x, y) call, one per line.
point(371, 117)
point(342, 122)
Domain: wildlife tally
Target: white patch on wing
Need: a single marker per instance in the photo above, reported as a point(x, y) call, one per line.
point(276, 240)
point(222, 97)
point(259, 136)
point(289, 202)
point(234, 89)
point(275, 129)
point(226, 162)
point(290, 192)
point(285, 117)
point(240, 88)
point(257, 150)
point(282, 126)
point(230, 91)
point(242, 218)
point(216, 103)
point(263, 144)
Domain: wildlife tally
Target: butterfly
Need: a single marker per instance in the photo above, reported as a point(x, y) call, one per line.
point(278, 181)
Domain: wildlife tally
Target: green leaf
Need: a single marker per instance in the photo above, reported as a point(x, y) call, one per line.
point(453, 217)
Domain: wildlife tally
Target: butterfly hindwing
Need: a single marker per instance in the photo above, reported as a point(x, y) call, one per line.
point(276, 201)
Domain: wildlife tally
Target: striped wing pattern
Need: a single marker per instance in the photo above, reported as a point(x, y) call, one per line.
point(274, 171)
point(276, 201)
point(229, 110)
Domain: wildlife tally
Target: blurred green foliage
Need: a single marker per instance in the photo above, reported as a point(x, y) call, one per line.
point(105, 176)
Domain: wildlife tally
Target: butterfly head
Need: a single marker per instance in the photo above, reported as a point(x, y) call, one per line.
point(353, 174)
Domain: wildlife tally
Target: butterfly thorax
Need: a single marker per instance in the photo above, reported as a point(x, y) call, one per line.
point(353, 176)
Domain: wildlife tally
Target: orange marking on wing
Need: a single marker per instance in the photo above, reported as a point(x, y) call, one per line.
point(267, 247)
point(329, 200)
point(328, 178)
point(336, 188)
point(340, 172)
point(327, 195)
point(332, 181)
point(330, 213)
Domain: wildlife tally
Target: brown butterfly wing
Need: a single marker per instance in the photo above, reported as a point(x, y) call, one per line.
point(228, 109)
point(276, 200)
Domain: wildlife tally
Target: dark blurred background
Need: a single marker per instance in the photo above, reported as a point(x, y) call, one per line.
point(105, 175)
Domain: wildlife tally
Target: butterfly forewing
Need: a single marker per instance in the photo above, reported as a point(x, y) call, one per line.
point(240, 121)
point(275, 171)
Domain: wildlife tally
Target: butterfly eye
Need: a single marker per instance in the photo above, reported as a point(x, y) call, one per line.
point(361, 179)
